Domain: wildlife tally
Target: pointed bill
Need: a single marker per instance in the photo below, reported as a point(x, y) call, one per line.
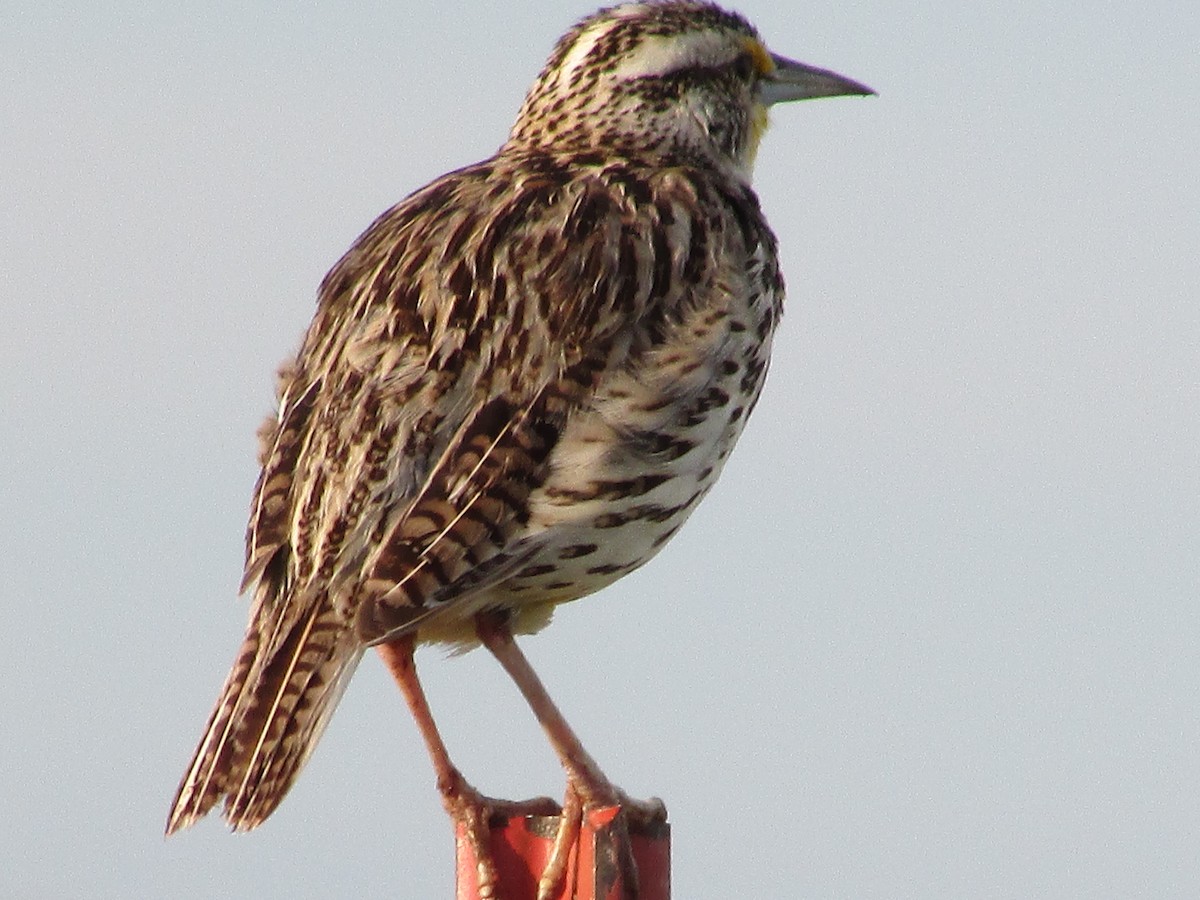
point(791, 80)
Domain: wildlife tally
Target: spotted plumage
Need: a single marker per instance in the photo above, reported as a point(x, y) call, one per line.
point(518, 383)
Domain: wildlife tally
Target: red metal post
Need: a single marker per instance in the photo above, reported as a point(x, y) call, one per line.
point(521, 846)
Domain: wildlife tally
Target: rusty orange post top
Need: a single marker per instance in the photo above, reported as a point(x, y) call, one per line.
point(521, 847)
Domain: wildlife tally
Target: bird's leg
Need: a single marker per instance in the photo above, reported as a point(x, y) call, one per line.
point(584, 776)
point(462, 801)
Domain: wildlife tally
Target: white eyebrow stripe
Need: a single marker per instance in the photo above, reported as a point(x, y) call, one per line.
point(578, 54)
point(657, 56)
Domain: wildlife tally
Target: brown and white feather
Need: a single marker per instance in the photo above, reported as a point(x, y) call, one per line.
point(518, 383)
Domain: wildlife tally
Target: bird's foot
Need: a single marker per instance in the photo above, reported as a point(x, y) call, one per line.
point(476, 813)
point(554, 875)
point(641, 814)
point(632, 816)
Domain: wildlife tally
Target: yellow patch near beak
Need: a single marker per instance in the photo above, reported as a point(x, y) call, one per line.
point(760, 55)
point(765, 66)
point(758, 126)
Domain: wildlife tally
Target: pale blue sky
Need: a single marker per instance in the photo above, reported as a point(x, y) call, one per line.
point(935, 633)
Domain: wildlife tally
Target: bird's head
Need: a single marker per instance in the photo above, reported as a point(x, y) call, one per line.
point(672, 79)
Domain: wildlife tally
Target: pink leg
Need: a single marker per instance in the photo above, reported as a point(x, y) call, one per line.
point(461, 800)
point(584, 777)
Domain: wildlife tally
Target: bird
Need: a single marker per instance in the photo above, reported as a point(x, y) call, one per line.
point(518, 383)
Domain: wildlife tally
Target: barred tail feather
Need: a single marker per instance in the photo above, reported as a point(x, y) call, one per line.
point(271, 713)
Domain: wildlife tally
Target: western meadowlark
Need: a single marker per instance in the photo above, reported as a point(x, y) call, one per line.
point(518, 383)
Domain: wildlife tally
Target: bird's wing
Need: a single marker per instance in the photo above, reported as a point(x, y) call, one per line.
point(450, 345)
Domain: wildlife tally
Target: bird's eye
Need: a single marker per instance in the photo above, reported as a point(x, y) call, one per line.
point(743, 67)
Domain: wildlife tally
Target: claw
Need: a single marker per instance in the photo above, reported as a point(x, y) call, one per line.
point(476, 814)
point(554, 875)
point(642, 813)
point(473, 812)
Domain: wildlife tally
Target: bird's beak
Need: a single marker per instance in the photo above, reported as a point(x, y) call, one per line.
point(791, 80)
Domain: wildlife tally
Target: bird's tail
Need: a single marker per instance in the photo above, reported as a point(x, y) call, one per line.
point(282, 689)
